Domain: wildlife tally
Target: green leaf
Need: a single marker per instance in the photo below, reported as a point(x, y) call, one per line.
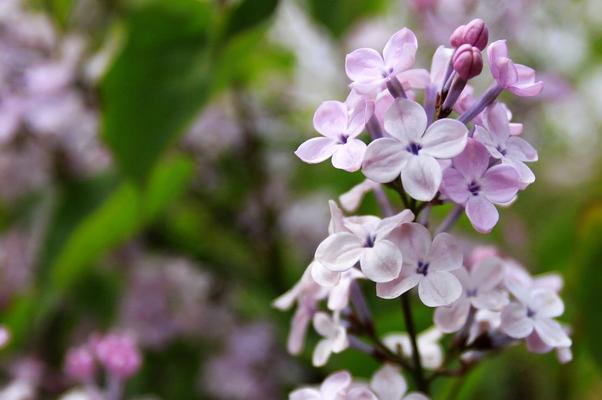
point(338, 16)
point(158, 82)
point(248, 14)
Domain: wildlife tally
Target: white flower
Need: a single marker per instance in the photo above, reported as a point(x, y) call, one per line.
point(427, 265)
point(431, 354)
point(388, 384)
point(333, 388)
point(364, 239)
point(352, 199)
point(335, 337)
point(480, 290)
point(412, 150)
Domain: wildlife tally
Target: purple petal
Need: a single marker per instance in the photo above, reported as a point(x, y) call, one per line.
point(452, 318)
point(496, 122)
point(349, 156)
point(336, 219)
point(416, 78)
point(339, 252)
point(500, 183)
point(439, 288)
point(526, 84)
point(439, 65)
point(525, 175)
point(316, 150)
point(551, 333)
point(493, 300)
point(364, 65)
point(330, 119)
point(398, 286)
point(323, 276)
point(482, 214)
point(305, 394)
point(473, 161)
point(546, 303)
point(388, 383)
point(519, 149)
point(495, 51)
point(386, 225)
point(515, 322)
point(445, 253)
point(400, 50)
point(454, 186)
point(488, 273)
point(446, 138)
point(414, 240)
point(381, 263)
point(405, 120)
point(421, 177)
point(335, 383)
point(383, 160)
point(298, 330)
point(322, 353)
point(490, 141)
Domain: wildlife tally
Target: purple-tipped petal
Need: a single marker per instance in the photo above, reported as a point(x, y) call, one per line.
point(482, 214)
point(454, 186)
point(473, 161)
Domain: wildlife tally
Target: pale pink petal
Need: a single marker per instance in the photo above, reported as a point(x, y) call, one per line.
point(414, 78)
point(516, 128)
point(445, 253)
point(421, 177)
point(520, 149)
point(493, 300)
point(362, 226)
point(489, 140)
point(398, 286)
point(526, 84)
point(551, 281)
point(352, 199)
point(414, 240)
point(439, 65)
point(339, 252)
point(364, 65)
point(500, 183)
point(439, 288)
point(360, 393)
point(564, 355)
point(338, 297)
point(369, 88)
point(336, 218)
point(323, 276)
point(384, 159)
point(446, 138)
point(482, 214)
point(339, 341)
point(525, 175)
point(496, 122)
point(488, 273)
point(452, 318)
point(299, 324)
point(322, 353)
point(381, 263)
point(400, 50)
point(519, 286)
point(551, 333)
point(335, 384)
point(305, 394)
point(416, 396)
point(324, 325)
point(286, 300)
point(454, 186)
point(330, 119)
point(473, 161)
point(388, 383)
point(495, 51)
point(349, 156)
point(383, 102)
point(536, 345)
point(405, 120)
point(386, 225)
point(316, 150)
point(546, 303)
point(515, 322)
point(359, 115)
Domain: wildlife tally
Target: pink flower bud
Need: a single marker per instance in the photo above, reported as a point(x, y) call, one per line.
point(467, 61)
point(79, 364)
point(118, 354)
point(475, 33)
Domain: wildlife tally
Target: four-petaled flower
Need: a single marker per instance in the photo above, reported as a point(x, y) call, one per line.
point(335, 337)
point(512, 150)
point(412, 150)
point(426, 264)
point(534, 312)
point(370, 71)
point(516, 78)
point(365, 240)
point(339, 128)
point(388, 384)
point(477, 187)
point(480, 290)
point(333, 388)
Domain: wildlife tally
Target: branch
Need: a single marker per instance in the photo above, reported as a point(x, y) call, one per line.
point(418, 371)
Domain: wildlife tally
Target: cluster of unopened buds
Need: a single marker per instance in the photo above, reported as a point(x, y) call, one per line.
point(118, 356)
point(475, 162)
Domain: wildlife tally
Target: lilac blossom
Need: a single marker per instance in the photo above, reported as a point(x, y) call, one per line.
point(512, 150)
point(334, 337)
point(80, 364)
point(364, 240)
point(431, 352)
point(427, 264)
point(412, 150)
point(473, 184)
point(516, 78)
point(475, 33)
point(334, 387)
point(481, 291)
point(118, 353)
point(370, 72)
point(389, 384)
point(339, 129)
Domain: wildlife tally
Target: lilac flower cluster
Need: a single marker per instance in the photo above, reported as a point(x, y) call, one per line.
point(476, 161)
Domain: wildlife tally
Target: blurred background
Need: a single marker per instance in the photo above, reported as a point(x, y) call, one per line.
point(148, 185)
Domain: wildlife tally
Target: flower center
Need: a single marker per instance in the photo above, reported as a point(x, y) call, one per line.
point(388, 72)
point(501, 150)
point(414, 148)
point(423, 268)
point(343, 138)
point(530, 313)
point(474, 188)
point(370, 241)
point(471, 292)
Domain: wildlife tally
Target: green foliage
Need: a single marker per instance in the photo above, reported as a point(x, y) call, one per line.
point(338, 16)
point(248, 14)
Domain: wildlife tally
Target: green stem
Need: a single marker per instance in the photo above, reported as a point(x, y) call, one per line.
point(418, 371)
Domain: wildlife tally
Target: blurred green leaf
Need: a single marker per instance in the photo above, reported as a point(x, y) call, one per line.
point(338, 16)
point(248, 14)
point(158, 82)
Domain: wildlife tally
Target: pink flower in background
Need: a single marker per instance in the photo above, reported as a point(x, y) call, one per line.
point(80, 364)
point(118, 353)
point(370, 71)
point(339, 128)
point(511, 150)
point(534, 312)
point(477, 187)
point(426, 264)
point(516, 78)
point(388, 384)
point(334, 337)
point(412, 150)
point(365, 240)
point(480, 290)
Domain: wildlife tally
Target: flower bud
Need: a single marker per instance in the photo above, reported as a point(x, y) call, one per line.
point(118, 354)
point(475, 33)
point(79, 364)
point(467, 61)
